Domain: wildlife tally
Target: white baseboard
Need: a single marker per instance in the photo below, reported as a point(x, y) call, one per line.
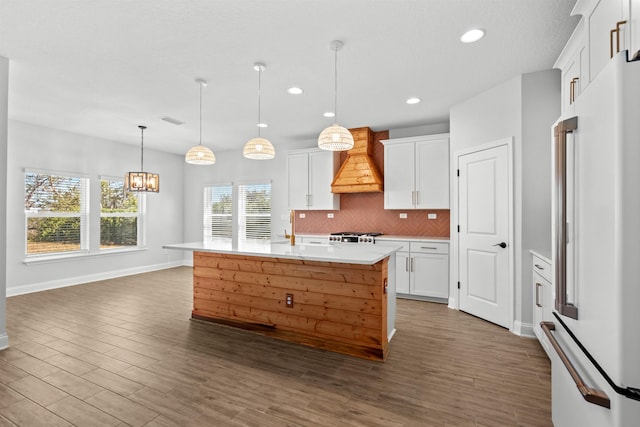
point(452, 303)
point(523, 329)
point(4, 341)
point(79, 280)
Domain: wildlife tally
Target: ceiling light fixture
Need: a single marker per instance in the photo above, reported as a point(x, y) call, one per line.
point(259, 148)
point(329, 114)
point(412, 101)
point(295, 90)
point(335, 137)
point(199, 154)
point(142, 181)
point(473, 35)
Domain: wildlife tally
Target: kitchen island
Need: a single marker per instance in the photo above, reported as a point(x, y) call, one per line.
point(338, 297)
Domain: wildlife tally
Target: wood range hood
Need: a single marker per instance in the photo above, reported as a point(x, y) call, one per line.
point(358, 173)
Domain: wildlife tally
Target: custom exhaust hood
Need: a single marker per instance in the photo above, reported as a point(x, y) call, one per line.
point(358, 173)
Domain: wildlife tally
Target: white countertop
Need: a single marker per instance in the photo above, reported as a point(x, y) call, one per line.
point(342, 253)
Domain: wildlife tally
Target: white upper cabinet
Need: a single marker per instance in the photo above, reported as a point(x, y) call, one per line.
point(606, 28)
point(310, 174)
point(574, 63)
point(603, 43)
point(416, 172)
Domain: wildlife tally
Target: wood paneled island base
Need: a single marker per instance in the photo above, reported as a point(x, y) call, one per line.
point(334, 306)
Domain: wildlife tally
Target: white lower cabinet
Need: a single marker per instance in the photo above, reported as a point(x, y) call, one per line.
point(542, 297)
point(422, 270)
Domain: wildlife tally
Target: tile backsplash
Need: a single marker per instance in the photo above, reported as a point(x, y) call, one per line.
point(364, 212)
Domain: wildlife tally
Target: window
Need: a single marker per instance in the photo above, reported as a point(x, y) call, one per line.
point(254, 219)
point(218, 205)
point(250, 206)
point(120, 215)
point(56, 213)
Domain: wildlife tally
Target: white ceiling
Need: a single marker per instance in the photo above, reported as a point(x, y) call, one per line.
point(100, 68)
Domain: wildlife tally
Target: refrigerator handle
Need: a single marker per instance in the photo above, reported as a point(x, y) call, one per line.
point(591, 395)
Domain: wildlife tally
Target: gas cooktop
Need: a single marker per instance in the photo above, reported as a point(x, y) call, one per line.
point(353, 237)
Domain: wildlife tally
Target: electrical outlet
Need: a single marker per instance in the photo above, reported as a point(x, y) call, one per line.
point(329, 215)
point(289, 300)
point(302, 215)
point(432, 216)
point(403, 216)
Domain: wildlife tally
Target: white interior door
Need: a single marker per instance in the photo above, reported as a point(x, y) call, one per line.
point(484, 220)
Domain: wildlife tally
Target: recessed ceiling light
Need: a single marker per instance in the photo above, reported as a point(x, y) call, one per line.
point(172, 120)
point(473, 35)
point(262, 125)
point(412, 101)
point(329, 114)
point(295, 90)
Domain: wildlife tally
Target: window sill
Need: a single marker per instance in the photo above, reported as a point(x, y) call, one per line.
point(41, 259)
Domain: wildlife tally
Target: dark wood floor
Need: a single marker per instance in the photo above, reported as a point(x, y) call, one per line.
point(124, 352)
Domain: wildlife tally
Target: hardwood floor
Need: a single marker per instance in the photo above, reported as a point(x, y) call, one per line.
point(125, 352)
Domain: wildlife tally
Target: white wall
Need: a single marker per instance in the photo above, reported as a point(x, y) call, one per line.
point(4, 98)
point(37, 147)
point(231, 166)
point(523, 108)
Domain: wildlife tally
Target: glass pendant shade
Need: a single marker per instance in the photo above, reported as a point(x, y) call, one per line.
point(142, 181)
point(335, 138)
point(258, 149)
point(200, 155)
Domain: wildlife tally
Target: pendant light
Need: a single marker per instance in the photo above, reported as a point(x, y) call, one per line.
point(259, 148)
point(142, 181)
point(199, 154)
point(335, 137)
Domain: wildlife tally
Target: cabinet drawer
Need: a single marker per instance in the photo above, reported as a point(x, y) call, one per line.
point(429, 247)
point(542, 267)
point(403, 243)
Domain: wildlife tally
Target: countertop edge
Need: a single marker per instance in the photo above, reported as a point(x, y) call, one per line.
point(374, 258)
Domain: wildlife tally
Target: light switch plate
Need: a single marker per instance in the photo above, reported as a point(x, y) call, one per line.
point(432, 216)
point(302, 215)
point(403, 216)
point(329, 215)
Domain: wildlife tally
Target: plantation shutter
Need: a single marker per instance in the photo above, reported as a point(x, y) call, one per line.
point(254, 217)
point(217, 215)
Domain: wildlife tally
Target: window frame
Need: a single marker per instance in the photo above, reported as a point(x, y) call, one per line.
point(83, 214)
point(207, 215)
point(243, 215)
point(140, 214)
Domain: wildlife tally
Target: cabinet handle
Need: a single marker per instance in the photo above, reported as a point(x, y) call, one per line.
point(617, 32)
point(406, 264)
point(411, 265)
point(417, 197)
point(538, 295)
point(413, 198)
point(538, 266)
point(310, 200)
point(571, 84)
point(572, 91)
point(429, 248)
